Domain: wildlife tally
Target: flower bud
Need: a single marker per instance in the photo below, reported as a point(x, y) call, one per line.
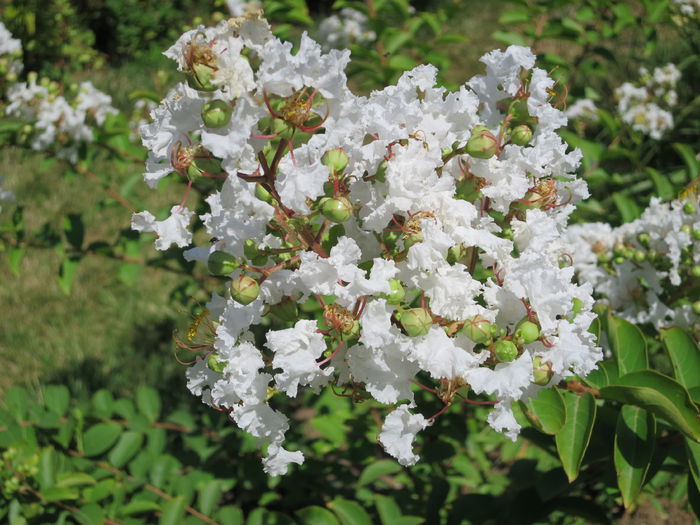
point(416, 321)
point(201, 77)
point(221, 263)
point(696, 307)
point(521, 135)
point(505, 351)
point(244, 289)
point(216, 365)
point(695, 271)
point(640, 256)
point(689, 208)
point(527, 332)
point(336, 159)
point(250, 249)
point(687, 229)
point(644, 239)
point(541, 371)
point(396, 293)
point(216, 113)
point(696, 235)
point(262, 194)
point(202, 165)
point(354, 331)
point(478, 329)
point(482, 144)
point(337, 209)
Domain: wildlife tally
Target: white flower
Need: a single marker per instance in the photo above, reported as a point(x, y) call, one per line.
point(172, 230)
point(399, 431)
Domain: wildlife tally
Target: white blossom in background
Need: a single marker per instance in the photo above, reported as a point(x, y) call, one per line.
point(584, 109)
point(240, 8)
point(690, 8)
point(646, 269)
point(10, 55)
point(641, 105)
point(425, 226)
point(349, 26)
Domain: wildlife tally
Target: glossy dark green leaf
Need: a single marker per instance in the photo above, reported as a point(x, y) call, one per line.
point(377, 469)
point(315, 515)
point(606, 373)
point(627, 344)
point(349, 512)
point(684, 354)
point(573, 438)
point(100, 437)
point(634, 446)
point(546, 411)
point(693, 496)
point(126, 448)
point(74, 479)
point(148, 402)
point(660, 395)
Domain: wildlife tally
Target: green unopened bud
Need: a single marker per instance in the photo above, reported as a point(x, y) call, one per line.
point(689, 208)
point(337, 209)
point(695, 271)
point(396, 293)
point(345, 335)
point(619, 249)
point(250, 249)
point(478, 329)
point(336, 159)
point(644, 239)
point(687, 229)
point(216, 365)
point(412, 238)
point(505, 351)
point(619, 259)
point(640, 256)
point(527, 332)
point(262, 194)
point(216, 113)
point(521, 135)
point(221, 263)
point(455, 253)
point(696, 307)
point(416, 321)
point(204, 164)
point(482, 144)
point(603, 258)
point(201, 78)
point(541, 371)
point(696, 235)
point(244, 289)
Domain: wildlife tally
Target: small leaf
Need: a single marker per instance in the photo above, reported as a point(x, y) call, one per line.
point(209, 496)
point(100, 437)
point(634, 446)
point(230, 515)
point(148, 402)
point(510, 38)
point(692, 450)
point(684, 354)
point(139, 506)
point(573, 438)
point(627, 344)
point(14, 258)
point(660, 395)
point(401, 62)
point(126, 448)
point(315, 515)
point(74, 479)
point(349, 512)
point(66, 274)
point(546, 411)
point(663, 186)
point(74, 230)
point(377, 469)
point(629, 210)
point(389, 511)
point(688, 155)
point(173, 511)
point(46, 468)
point(56, 399)
point(60, 494)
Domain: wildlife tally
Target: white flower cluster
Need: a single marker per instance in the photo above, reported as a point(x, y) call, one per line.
point(647, 270)
point(424, 226)
point(58, 124)
point(688, 7)
point(10, 55)
point(583, 109)
point(345, 28)
point(640, 104)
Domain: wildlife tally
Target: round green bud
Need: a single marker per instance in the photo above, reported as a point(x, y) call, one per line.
point(216, 113)
point(640, 256)
point(346, 335)
point(336, 159)
point(695, 271)
point(521, 135)
point(478, 329)
point(687, 229)
point(216, 365)
point(202, 165)
point(628, 253)
point(244, 289)
point(696, 235)
point(221, 263)
point(528, 332)
point(505, 351)
point(259, 260)
point(396, 293)
point(262, 194)
point(482, 144)
point(455, 253)
point(619, 249)
point(201, 78)
point(411, 239)
point(689, 208)
point(250, 249)
point(696, 307)
point(619, 259)
point(542, 372)
point(416, 321)
point(604, 258)
point(644, 239)
point(337, 209)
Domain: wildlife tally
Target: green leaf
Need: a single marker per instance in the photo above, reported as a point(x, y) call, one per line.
point(60, 494)
point(692, 450)
point(688, 155)
point(315, 515)
point(139, 507)
point(377, 469)
point(66, 273)
point(663, 186)
point(46, 468)
point(684, 354)
point(14, 258)
point(401, 62)
point(389, 511)
point(573, 438)
point(56, 399)
point(546, 411)
point(148, 402)
point(592, 151)
point(230, 515)
point(693, 496)
point(634, 446)
point(209, 496)
point(74, 479)
point(126, 448)
point(627, 344)
point(349, 512)
point(90, 514)
point(629, 210)
point(510, 38)
point(74, 230)
point(100, 437)
point(606, 374)
point(103, 403)
point(173, 511)
point(660, 395)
